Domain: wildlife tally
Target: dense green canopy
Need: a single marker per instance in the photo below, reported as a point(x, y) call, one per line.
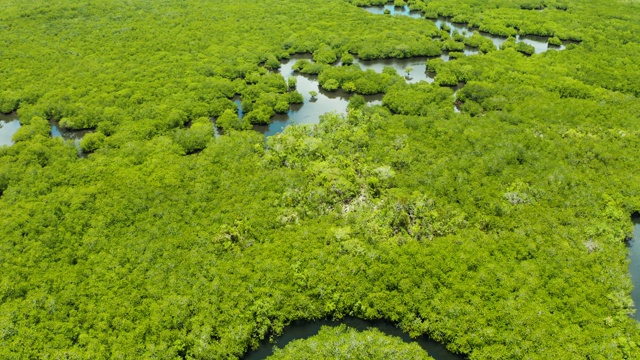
point(498, 230)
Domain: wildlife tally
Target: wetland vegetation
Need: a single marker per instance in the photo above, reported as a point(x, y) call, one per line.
point(474, 193)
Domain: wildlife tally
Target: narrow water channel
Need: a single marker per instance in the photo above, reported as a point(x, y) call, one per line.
point(634, 266)
point(309, 112)
point(9, 124)
point(307, 329)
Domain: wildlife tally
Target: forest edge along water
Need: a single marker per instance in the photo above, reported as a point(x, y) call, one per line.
point(415, 67)
point(306, 329)
point(498, 231)
point(10, 123)
point(310, 110)
point(539, 43)
point(634, 264)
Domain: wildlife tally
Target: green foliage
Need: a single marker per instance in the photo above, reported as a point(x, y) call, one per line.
point(497, 231)
point(331, 85)
point(229, 120)
point(325, 55)
point(36, 127)
point(353, 79)
point(92, 142)
point(446, 77)
point(347, 59)
point(356, 102)
point(295, 98)
point(272, 63)
point(291, 82)
point(260, 115)
point(8, 102)
point(480, 42)
point(555, 41)
point(525, 48)
point(307, 67)
point(196, 137)
point(419, 99)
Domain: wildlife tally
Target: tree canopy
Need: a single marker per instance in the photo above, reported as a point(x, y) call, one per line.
point(497, 230)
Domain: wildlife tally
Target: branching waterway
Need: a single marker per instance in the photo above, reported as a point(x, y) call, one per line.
point(334, 101)
point(539, 43)
point(309, 112)
point(415, 69)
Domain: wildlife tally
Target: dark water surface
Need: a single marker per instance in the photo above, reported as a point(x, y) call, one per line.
point(634, 267)
point(307, 329)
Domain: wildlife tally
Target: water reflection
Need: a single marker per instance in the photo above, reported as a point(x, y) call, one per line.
point(9, 124)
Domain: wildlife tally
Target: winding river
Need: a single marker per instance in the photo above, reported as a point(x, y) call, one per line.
point(539, 43)
point(309, 112)
point(9, 124)
point(336, 101)
point(307, 329)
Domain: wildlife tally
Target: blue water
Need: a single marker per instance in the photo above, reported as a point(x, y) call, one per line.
point(55, 132)
point(239, 104)
point(9, 124)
